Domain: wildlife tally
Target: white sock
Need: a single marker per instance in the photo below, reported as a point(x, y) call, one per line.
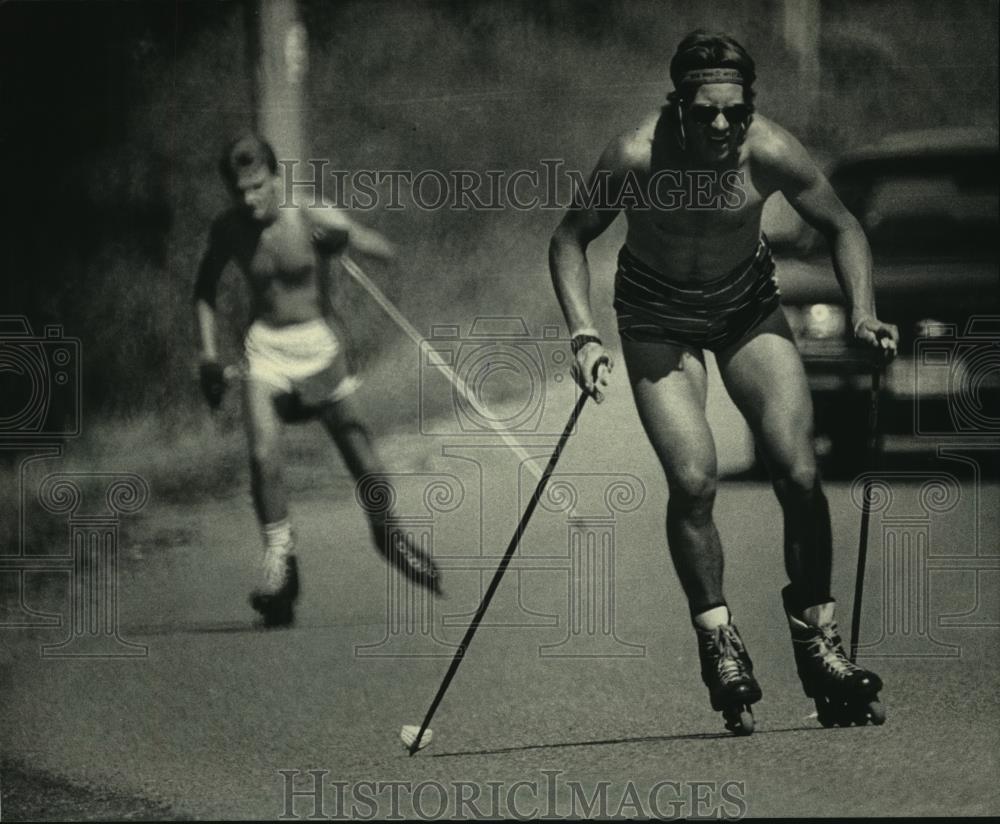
point(278, 537)
point(712, 618)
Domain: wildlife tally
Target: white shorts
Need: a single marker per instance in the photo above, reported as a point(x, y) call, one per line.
point(305, 359)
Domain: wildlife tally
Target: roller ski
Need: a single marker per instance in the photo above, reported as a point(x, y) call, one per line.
point(727, 671)
point(843, 692)
point(275, 598)
point(413, 562)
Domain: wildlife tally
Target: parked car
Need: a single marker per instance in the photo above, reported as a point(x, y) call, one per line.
point(928, 202)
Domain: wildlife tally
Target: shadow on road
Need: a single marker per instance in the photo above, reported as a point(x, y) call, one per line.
point(222, 627)
point(694, 736)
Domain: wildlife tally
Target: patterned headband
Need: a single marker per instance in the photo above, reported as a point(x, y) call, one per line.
point(701, 76)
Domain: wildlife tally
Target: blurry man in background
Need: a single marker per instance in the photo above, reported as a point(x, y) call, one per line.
point(295, 364)
point(696, 273)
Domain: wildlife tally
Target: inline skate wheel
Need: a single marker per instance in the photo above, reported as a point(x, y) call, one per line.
point(739, 719)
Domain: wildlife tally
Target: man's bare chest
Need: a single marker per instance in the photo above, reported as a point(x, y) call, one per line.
point(280, 254)
point(698, 202)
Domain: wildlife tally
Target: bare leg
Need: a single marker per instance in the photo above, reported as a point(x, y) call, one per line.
point(263, 427)
point(343, 421)
point(669, 384)
point(766, 379)
point(278, 587)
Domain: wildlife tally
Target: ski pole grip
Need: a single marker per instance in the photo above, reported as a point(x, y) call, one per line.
point(604, 360)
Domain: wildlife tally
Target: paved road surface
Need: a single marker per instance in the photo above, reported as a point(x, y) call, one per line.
point(205, 721)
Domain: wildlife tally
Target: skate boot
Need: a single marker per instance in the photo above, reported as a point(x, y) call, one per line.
point(275, 598)
point(727, 671)
point(413, 562)
point(843, 692)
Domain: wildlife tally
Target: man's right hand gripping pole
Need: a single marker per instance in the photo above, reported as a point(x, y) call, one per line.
point(593, 365)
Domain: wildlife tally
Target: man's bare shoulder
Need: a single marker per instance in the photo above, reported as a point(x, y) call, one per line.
point(775, 153)
point(329, 226)
point(772, 144)
point(631, 149)
point(326, 216)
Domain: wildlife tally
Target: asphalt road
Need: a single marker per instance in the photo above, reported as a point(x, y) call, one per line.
point(584, 689)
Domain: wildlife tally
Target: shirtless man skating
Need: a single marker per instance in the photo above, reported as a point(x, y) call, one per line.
point(295, 361)
point(696, 273)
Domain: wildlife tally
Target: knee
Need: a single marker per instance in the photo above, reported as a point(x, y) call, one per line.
point(346, 430)
point(798, 481)
point(692, 489)
point(340, 424)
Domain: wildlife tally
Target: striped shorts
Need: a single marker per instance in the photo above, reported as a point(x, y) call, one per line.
point(710, 315)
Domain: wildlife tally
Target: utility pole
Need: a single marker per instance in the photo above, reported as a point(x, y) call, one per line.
point(278, 49)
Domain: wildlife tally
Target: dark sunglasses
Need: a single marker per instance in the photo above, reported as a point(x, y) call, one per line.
point(736, 114)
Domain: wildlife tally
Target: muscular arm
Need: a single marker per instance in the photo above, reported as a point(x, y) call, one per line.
point(570, 271)
point(786, 166)
point(568, 248)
